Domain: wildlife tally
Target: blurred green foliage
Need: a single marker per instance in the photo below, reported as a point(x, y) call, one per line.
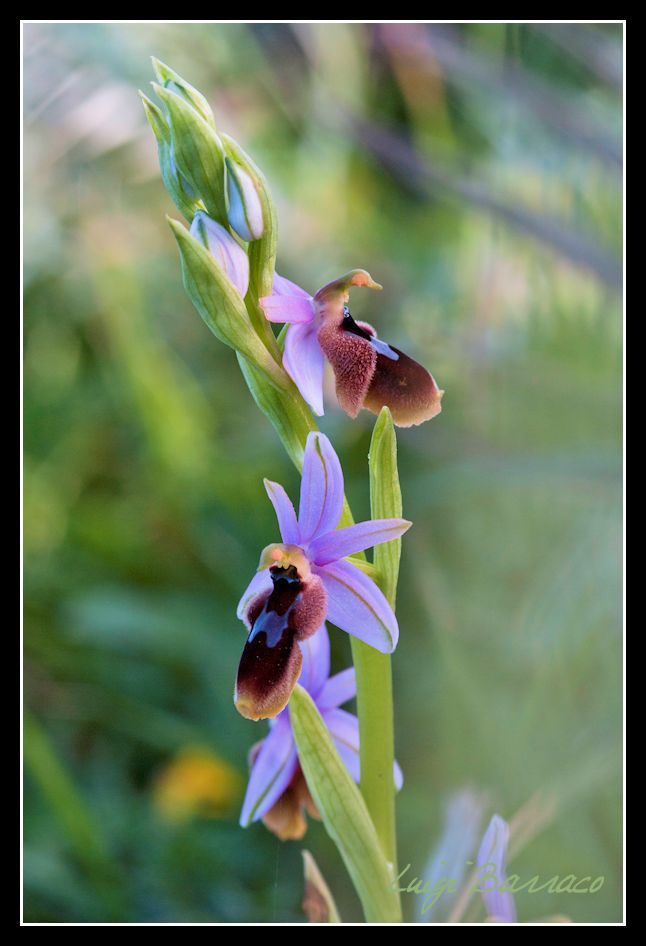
point(144, 453)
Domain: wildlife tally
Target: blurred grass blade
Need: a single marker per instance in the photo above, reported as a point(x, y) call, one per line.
point(318, 902)
point(343, 810)
point(198, 152)
point(70, 810)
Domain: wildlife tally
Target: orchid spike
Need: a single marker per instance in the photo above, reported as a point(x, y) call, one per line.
point(491, 861)
point(277, 791)
point(305, 580)
point(369, 373)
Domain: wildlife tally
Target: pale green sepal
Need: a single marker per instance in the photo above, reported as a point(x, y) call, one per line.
point(198, 152)
point(220, 304)
point(318, 902)
point(173, 181)
point(385, 499)
point(343, 811)
point(173, 81)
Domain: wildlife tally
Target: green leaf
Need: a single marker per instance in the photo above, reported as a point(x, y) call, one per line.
point(221, 305)
point(173, 81)
point(385, 499)
point(318, 902)
point(343, 811)
point(198, 152)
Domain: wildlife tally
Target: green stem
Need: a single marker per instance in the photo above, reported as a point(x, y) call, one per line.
point(376, 731)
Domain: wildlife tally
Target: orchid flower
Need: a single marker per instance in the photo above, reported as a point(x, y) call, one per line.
point(492, 858)
point(277, 791)
point(305, 580)
point(368, 372)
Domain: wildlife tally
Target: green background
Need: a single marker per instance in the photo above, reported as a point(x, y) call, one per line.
point(498, 248)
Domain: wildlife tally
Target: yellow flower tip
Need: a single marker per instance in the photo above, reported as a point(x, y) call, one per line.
point(197, 782)
point(338, 289)
point(282, 556)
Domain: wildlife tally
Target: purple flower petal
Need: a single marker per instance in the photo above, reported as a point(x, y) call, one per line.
point(321, 499)
point(304, 362)
point(356, 605)
point(279, 308)
point(316, 662)
point(335, 545)
point(259, 584)
point(492, 857)
point(344, 729)
point(285, 514)
point(337, 690)
point(284, 287)
point(271, 773)
point(224, 250)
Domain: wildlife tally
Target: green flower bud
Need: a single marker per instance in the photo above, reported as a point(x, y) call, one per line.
point(245, 209)
point(175, 183)
point(170, 79)
point(197, 151)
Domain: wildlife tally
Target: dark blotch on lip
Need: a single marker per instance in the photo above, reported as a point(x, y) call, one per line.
point(273, 617)
point(349, 325)
point(271, 659)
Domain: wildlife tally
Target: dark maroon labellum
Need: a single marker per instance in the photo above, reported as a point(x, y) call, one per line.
point(273, 619)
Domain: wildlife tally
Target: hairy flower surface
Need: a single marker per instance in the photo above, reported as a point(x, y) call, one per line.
point(277, 791)
point(368, 372)
point(305, 580)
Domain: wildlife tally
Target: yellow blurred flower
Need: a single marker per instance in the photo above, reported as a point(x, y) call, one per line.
point(196, 782)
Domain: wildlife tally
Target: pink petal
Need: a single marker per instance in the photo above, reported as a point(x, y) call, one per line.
point(223, 248)
point(260, 584)
point(321, 499)
point(285, 514)
point(284, 287)
point(304, 362)
point(271, 773)
point(356, 605)
point(338, 690)
point(279, 308)
point(316, 661)
point(364, 535)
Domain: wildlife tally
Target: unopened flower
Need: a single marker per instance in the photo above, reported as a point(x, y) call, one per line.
point(491, 862)
point(277, 791)
point(305, 580)
point(223, 248)
point(368, 372)
point(245, 209)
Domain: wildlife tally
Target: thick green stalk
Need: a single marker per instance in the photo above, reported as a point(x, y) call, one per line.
point(373, 669)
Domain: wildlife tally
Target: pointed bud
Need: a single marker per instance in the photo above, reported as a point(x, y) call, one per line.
point(318, 903)
point(245, 209)
point(224, 250)
point(197, 151)
point(170, 79)
point(175, 183)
